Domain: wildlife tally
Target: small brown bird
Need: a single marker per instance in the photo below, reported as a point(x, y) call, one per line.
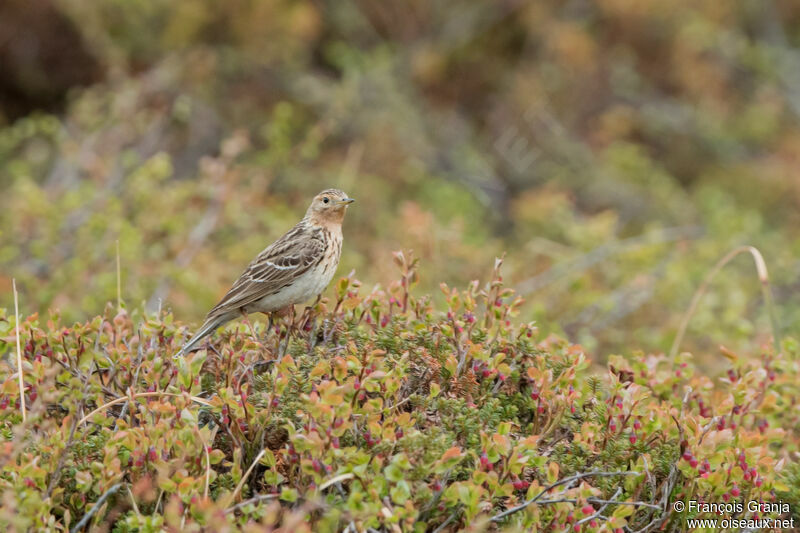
point(292, 270)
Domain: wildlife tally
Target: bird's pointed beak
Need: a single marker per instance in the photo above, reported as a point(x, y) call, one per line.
point(346, 201)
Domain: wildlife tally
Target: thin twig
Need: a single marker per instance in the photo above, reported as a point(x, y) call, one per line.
point(67, 447)
point(19, 353)
point(444, 524)
point(763, 277)
point(570, 479)
point(599, 502)
point(602, 508)
point(98, 504)
point(254, 499)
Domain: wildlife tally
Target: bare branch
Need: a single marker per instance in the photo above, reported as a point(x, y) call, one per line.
point(566, 480)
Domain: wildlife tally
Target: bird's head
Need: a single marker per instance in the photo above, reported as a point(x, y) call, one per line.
point(328, 207)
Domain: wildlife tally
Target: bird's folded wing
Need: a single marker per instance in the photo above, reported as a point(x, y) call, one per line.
point(276, 267)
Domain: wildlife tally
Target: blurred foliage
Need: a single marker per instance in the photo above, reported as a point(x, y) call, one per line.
point(379, 409)
point(614, 149)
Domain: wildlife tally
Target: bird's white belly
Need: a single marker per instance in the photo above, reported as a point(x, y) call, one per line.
point(307, 286)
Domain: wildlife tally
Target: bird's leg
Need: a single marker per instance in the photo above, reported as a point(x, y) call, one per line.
point(309, 315)
point(290, 313)
point(249, 325)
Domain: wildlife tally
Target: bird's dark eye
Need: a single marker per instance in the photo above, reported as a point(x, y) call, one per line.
point(325, 200)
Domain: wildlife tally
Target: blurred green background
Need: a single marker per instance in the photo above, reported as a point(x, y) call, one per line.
point(614, 149)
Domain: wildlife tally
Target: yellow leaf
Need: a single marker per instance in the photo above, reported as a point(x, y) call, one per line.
point(552, 472)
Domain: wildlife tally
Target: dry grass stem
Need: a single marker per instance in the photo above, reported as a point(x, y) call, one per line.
point(139, 395)
point(763, 277)
point(20, 374)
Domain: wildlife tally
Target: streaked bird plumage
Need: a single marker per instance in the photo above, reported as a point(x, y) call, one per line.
point(292, 270)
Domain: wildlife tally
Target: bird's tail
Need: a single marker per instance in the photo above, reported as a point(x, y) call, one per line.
point(208, 326)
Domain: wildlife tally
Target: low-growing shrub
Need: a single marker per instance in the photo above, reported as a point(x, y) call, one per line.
point(375, 411)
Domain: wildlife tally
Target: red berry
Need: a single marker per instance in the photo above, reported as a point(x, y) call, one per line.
point(520, 484)
point(484, 460)
point(735, 491)
point(693, 463)
point(587, 509)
